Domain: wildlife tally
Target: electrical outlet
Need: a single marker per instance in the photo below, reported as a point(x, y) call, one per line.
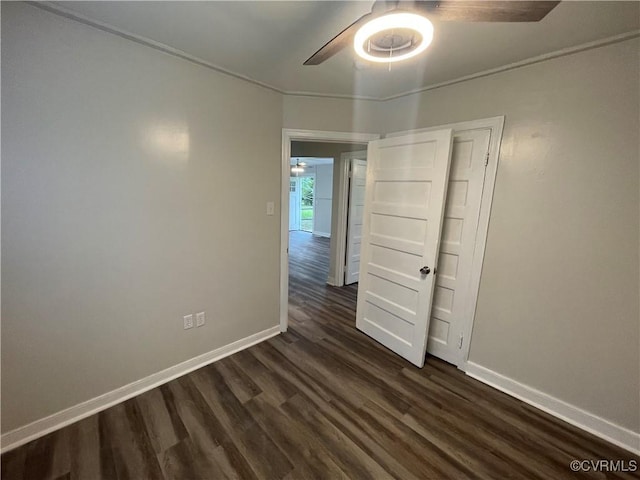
point(188, 321)
point(200, 319)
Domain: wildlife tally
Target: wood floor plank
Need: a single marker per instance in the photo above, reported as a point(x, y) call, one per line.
point(49, 457)
point(181, 461)
point(300, 444)
point(126, 435)
point(488, 458)
point(84, 442)
point(205, 430)
point(470, 419)
point(274, 387)
point(224, 405)
point(243, 386)
point(334, 379)
point(14, 463)
point(233, 463)
point(160, 416)
point(342, 418)
point(403, 444)
point(185, 460)
point(345, 453)
point(107, 457)
point(292, 372)
point(369, 381)
point(264, 456)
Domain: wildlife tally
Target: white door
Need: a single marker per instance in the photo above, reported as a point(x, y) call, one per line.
point(294, 203)
point(452, 306)
point(357, 180)
point(404, 206)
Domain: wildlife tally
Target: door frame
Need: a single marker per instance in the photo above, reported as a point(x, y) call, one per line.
point(343, 217)
point(496, 126)
point(289, 135)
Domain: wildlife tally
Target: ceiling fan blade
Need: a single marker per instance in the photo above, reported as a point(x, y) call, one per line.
point(485, 10)
point(337, 43)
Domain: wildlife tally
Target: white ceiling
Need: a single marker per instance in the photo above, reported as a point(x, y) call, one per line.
point(268, 41)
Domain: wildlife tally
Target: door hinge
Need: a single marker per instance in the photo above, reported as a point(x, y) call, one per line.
point(486, 159)
point(460, 340)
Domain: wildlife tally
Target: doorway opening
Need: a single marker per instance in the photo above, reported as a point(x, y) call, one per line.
point(456, 266)
point(319, 206)
point(314, 205)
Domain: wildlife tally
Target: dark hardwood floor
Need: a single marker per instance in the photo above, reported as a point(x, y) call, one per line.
point(321, 401)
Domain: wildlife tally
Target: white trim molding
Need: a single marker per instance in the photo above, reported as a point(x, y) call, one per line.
point(57, 9)
point(522, 63)
point(598, 426)
point(39, 428)
point(332, 281)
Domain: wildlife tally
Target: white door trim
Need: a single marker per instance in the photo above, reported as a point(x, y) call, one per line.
point(289, 135)
point(343, 215)
point(496, 125)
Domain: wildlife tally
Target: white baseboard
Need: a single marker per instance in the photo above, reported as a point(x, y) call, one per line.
point(620, 436)
point(322, 234)
point(39, 428)
point(331, 281)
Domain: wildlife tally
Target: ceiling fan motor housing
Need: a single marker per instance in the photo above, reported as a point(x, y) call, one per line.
point(392, 43)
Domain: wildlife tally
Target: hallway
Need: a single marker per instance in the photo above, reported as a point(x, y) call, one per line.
point(308, 271)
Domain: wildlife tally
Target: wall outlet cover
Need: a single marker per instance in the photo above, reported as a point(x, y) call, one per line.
point(188, 321)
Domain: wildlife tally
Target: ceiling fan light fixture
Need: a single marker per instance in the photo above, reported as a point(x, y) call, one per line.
point(298, 167)
point(393, 37)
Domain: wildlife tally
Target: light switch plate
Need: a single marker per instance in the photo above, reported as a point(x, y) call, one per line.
point(200, 319)
point(271, 208)
point(188, 321)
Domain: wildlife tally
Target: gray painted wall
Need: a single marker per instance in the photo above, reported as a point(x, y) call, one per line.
point(123, 209)
point(558, 307)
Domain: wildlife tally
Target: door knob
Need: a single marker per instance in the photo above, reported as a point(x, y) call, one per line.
point(425, 270)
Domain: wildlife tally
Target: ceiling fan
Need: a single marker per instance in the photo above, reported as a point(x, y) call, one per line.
point(298, 167)
point(396, 30)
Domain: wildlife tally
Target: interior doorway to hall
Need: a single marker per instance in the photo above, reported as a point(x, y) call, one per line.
point(318, 213)
point(401, 255)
